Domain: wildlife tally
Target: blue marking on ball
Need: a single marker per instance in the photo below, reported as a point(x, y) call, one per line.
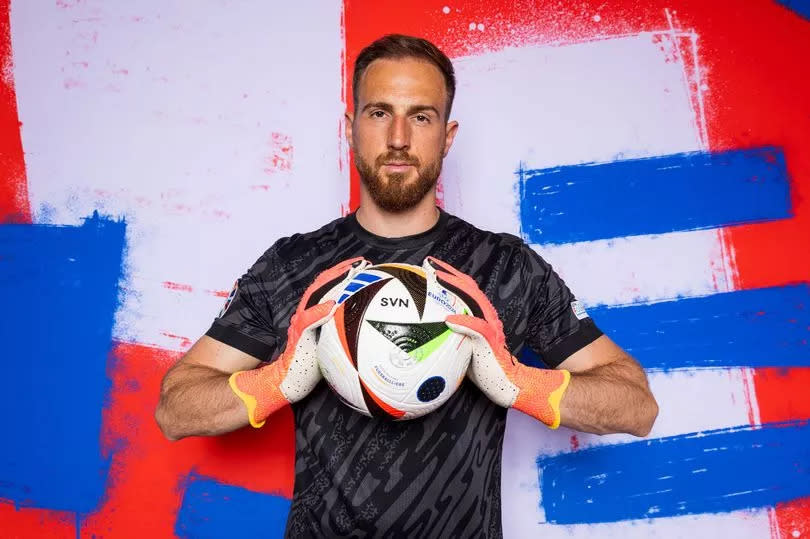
point(431, 388)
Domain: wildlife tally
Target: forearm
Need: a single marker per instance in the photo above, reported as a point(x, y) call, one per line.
point(609, 399)
point(197, 401)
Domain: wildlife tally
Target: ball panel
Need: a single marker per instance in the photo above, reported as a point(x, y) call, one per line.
point(354, 309)
point(338, 370)
point(392, 303)
point(415, 283)
point(378, 407)
point(450, 361)
point(339, 327)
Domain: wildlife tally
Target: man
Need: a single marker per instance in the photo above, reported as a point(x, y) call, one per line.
point(439, 475)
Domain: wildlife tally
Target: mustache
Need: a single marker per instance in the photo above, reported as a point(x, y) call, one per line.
point(397, 156)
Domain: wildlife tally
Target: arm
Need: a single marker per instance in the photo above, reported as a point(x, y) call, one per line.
point(216, 388)
point(608, 392)
point(195, 398)
point(600, 388)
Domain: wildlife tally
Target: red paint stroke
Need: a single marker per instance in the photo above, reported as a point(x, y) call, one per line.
point(749, 394)
point(33, 523)
point(14, 204)
point(177, 286)
point(222, 214)
point(748, 106)
point(791, 519)
point(782, 393)
point(181, 287)
point(281, 154)
point(771, 254)
point(147, 472)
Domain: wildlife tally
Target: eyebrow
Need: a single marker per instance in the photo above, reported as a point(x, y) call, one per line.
point(387, 107)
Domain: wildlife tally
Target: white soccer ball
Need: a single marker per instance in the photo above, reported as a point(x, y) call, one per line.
point(387, 351)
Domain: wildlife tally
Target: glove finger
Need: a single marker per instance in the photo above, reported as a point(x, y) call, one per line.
point(453, 280)
point(470, 287)
point(440, 265)
point(357, 268)
point(331, 275)
point(468, 325)
point(316, 315)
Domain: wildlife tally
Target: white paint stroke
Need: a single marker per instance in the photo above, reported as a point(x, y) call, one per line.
point(562, 104)
point(166, 116)
point(642, 268)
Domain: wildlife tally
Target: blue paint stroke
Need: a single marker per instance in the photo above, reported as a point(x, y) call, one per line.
point(686, 191)
point(212, 509)
point(800, 7)
point(59, 286)
point(706, 472)
point(765, 327)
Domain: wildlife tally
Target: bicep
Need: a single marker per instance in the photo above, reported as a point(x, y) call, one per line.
point(211, 353)
point(602, 351)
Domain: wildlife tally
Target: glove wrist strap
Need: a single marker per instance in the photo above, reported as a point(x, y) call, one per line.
point(259, 397)
point(541, 395)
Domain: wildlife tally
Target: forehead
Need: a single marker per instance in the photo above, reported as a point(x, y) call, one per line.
point(405, 81)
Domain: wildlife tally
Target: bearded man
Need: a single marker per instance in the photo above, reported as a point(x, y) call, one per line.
point(438, 475)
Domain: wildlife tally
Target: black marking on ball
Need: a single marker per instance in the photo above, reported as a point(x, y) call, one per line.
point(409, 336)
point(355, 309)
point(430, 388)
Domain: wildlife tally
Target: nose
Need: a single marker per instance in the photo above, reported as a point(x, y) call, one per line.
point(399, 134)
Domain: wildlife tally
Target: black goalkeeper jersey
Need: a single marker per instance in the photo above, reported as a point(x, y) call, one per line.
point(435, 476)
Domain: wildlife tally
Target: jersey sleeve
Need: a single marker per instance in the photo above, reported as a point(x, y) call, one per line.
point(558, 324)
point(246, 320)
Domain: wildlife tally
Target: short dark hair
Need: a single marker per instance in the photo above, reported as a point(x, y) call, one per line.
point(398, 46)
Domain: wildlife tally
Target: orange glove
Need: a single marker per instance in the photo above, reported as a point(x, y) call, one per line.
point(295, 373)
point(508, 383)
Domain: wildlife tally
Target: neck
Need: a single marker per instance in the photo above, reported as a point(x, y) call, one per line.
point(379, 222)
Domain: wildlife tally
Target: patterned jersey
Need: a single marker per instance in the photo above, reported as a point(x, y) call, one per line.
point(435, 476)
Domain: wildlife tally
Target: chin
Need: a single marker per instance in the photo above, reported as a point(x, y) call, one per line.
point(399, 177)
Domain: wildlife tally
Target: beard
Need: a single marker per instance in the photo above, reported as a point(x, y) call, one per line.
point(394, 193)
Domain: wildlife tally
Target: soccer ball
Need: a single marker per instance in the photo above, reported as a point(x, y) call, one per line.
point(387, 351)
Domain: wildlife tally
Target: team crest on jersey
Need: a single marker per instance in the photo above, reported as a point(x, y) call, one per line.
point(229, 301)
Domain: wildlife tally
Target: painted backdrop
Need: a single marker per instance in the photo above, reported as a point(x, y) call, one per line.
point(655, 152)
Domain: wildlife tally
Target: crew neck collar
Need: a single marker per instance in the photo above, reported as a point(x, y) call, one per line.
point(403, 242)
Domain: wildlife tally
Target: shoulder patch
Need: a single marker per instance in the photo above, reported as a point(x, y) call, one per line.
point(579, 310)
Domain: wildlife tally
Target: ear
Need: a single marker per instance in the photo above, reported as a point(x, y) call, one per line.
point(449, 136)
point(349, 130)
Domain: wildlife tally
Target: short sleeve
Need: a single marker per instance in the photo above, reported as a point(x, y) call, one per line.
point(245, 321)
point(557, 324)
